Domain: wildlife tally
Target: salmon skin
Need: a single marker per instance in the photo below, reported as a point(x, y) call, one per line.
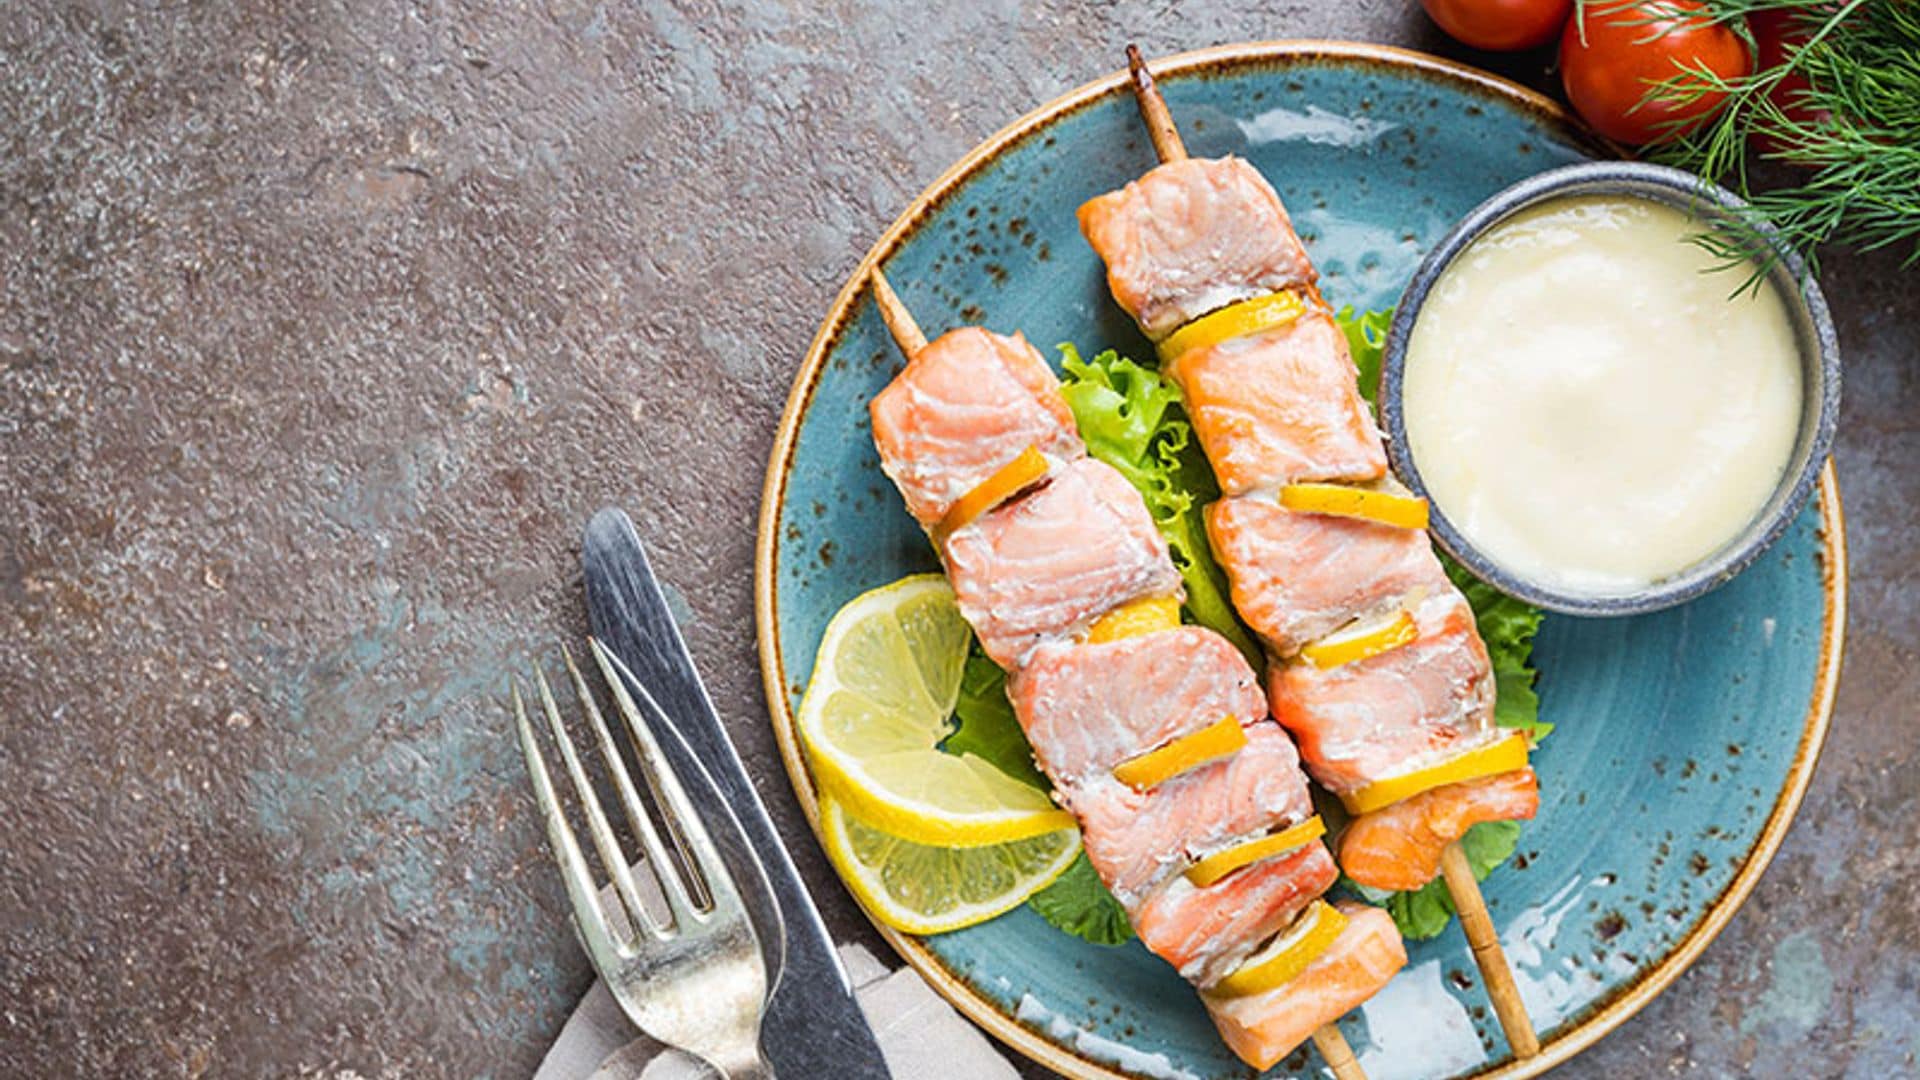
point(1263, 1028)
point(1398, 848)
point(1043, 567)
point(1280, 407)
point(1395, 711)
point(964, 406)
point(1295, 577)
point(1193, 236)
point(1136, 838)
point(1088, 708)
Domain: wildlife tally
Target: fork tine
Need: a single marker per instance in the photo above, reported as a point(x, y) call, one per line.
point(597, 825)
point(588, 918)
point(636, 812)
point(682, 821)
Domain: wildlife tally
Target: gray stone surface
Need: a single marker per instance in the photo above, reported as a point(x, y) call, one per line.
point(325, 325)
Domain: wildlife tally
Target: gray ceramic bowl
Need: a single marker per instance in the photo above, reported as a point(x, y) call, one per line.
point(1820, 356)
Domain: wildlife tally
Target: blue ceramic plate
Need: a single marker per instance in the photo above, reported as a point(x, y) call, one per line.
point(1684, 739)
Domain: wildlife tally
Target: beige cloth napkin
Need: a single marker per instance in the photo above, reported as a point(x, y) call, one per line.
point(920, 1034)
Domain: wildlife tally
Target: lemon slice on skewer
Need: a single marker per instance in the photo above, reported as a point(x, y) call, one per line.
point(1288, 955)
point(1221, 863)
point(1247, 317)
point(1366, 504)
point(883, 689)
point(1222, 738)
point(1506, 753)
point(923, 889)
point(1361, 642)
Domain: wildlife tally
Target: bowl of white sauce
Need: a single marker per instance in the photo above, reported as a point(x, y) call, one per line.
point(1602, 418)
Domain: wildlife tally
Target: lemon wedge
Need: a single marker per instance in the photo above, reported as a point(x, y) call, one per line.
point(879, 702)
point(1135, 619)
point(1286, 956)
point(1219, 739)
point(1007, 481)
point(1385, 507)
point(1358, 643)
point(923, 889)
point(1234, 320)
point(1221, 863)
point(1507, 753)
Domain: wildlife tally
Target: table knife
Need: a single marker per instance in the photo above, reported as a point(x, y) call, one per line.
point(813, 1025)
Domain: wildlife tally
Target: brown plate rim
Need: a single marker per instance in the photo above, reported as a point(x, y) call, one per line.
point(1560, 1045)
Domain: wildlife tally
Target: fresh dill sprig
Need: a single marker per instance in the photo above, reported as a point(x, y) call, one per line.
point(1851, 143)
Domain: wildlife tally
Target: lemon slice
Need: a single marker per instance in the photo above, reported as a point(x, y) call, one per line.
point(1367, 504)
point(1006, 482)
point(1505, 754)
point(1221, 863)
point(879, 703)
point(1286, 956)
point(1358, 643)
point(923, 889)
point(1219, 739)
point(1135, 619)
point(1234, 320)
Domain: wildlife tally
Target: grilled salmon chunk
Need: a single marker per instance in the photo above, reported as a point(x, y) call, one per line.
point(1263, 1028)
point(1208, 932)
point(1281, 407)
point(1395, 711)
point(1087, 708)
point(1135, 838)
point(1192, 236)
point(1043, 567)
point(964, 406)
point(1296, 577)
point(1398, 848)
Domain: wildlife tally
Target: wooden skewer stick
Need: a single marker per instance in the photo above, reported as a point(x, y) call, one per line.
point(1153, 109)
point(1337, 1054)
point(1487, 953)
point(1474, 920)
point(908, 335)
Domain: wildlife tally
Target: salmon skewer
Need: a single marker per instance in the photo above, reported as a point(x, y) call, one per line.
point(1156, 736)
point(1377, 668)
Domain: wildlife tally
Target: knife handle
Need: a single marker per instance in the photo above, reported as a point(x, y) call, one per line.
point(812, 1002)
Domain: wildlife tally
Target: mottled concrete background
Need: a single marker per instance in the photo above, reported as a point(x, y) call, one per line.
point(325, 326)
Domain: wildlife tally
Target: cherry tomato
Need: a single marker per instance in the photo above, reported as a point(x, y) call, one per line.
point(1500, 25)
point(1775, 32)
point(1629, 48)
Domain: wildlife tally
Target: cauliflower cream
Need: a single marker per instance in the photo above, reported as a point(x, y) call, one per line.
point(1589, 406)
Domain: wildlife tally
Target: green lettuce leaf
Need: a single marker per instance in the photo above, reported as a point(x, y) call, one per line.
point(1078, 903)
point(1507, 625)
point(985, 722)
point(1367, 341)
point(1132, 419)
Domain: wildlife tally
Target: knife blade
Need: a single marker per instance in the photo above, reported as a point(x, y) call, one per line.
point(813, 1024)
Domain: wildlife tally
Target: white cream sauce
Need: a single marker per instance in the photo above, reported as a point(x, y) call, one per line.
point(1588, 405)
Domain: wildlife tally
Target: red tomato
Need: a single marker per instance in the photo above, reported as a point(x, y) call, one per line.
point(1500, 25)
point(1628, 48)
point(1775, 31)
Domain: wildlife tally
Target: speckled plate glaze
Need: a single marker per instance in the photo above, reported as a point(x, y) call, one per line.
point(1685, 738)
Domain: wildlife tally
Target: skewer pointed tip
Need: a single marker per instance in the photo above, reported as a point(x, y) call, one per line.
point(1153, 109)
point(893, 311)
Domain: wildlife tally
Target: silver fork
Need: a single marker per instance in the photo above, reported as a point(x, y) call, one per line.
point(699, 981)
